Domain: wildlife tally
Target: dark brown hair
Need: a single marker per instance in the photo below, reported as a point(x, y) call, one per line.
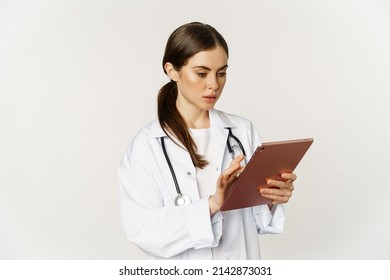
point(184, 42)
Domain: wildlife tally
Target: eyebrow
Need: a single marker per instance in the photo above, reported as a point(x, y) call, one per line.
point(207, 68)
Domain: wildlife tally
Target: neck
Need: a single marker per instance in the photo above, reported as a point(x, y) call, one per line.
point(195, 118)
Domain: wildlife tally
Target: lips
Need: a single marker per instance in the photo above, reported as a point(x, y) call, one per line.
point(210, 98)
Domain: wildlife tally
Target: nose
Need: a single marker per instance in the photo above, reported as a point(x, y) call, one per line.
point(213, 83)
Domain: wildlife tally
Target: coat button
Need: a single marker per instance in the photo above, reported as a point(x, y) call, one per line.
point(189, 173)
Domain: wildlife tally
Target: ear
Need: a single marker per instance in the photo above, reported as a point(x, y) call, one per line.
point(171, 71)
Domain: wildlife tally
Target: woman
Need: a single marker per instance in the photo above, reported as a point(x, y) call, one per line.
point(183, 157)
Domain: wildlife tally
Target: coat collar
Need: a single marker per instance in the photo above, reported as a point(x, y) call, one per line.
point(217, 120)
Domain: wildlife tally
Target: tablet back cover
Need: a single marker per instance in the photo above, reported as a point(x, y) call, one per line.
point(269, 161)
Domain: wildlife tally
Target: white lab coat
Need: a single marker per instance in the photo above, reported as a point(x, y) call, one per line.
point(162, 230)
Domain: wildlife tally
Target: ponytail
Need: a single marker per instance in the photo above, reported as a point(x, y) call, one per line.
point(173, 123)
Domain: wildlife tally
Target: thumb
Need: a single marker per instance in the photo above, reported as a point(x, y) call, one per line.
point(219, 181)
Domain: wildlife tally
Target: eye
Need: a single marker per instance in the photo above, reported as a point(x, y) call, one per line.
point(202, 74)
point(222, 74)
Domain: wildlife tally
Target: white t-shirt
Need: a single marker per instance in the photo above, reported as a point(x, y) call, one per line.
point(205, 185)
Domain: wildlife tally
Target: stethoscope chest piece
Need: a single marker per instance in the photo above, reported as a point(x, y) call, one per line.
point(182, 200)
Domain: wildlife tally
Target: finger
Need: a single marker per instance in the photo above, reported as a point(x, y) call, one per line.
point(277, 198)
point(276, 191)
point(289, 176)
point(239, 171)
point(228, 179)
point(232, 169)
point(237, 160)
point(219, 181)
point(281, 184)
point(278, 184)
point(223, 182)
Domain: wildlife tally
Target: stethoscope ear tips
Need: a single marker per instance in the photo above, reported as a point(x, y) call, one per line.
point(182, 200)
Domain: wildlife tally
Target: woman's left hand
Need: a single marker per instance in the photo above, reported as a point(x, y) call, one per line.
point(279, 191)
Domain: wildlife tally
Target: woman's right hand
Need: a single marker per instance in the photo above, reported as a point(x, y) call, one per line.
point(224, 183)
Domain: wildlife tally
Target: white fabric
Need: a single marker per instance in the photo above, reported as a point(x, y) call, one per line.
point(203, 175)
point(162, 230)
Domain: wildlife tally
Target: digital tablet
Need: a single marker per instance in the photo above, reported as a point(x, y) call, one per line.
point(269, 161)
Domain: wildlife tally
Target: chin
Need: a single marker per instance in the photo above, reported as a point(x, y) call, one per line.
point(208, 107)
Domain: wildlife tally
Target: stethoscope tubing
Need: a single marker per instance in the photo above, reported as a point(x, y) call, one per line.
point(170, 166)
point(183, 199)
point(237, 140)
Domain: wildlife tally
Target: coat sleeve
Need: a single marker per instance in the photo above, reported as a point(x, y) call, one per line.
point(267, 221)
point(157, 229)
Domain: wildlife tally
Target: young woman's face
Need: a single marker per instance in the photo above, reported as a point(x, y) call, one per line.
point(200, 82)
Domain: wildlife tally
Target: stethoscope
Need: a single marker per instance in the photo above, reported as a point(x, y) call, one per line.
point(183, 199)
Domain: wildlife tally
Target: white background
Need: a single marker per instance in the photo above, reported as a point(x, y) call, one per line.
point(79, 78)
